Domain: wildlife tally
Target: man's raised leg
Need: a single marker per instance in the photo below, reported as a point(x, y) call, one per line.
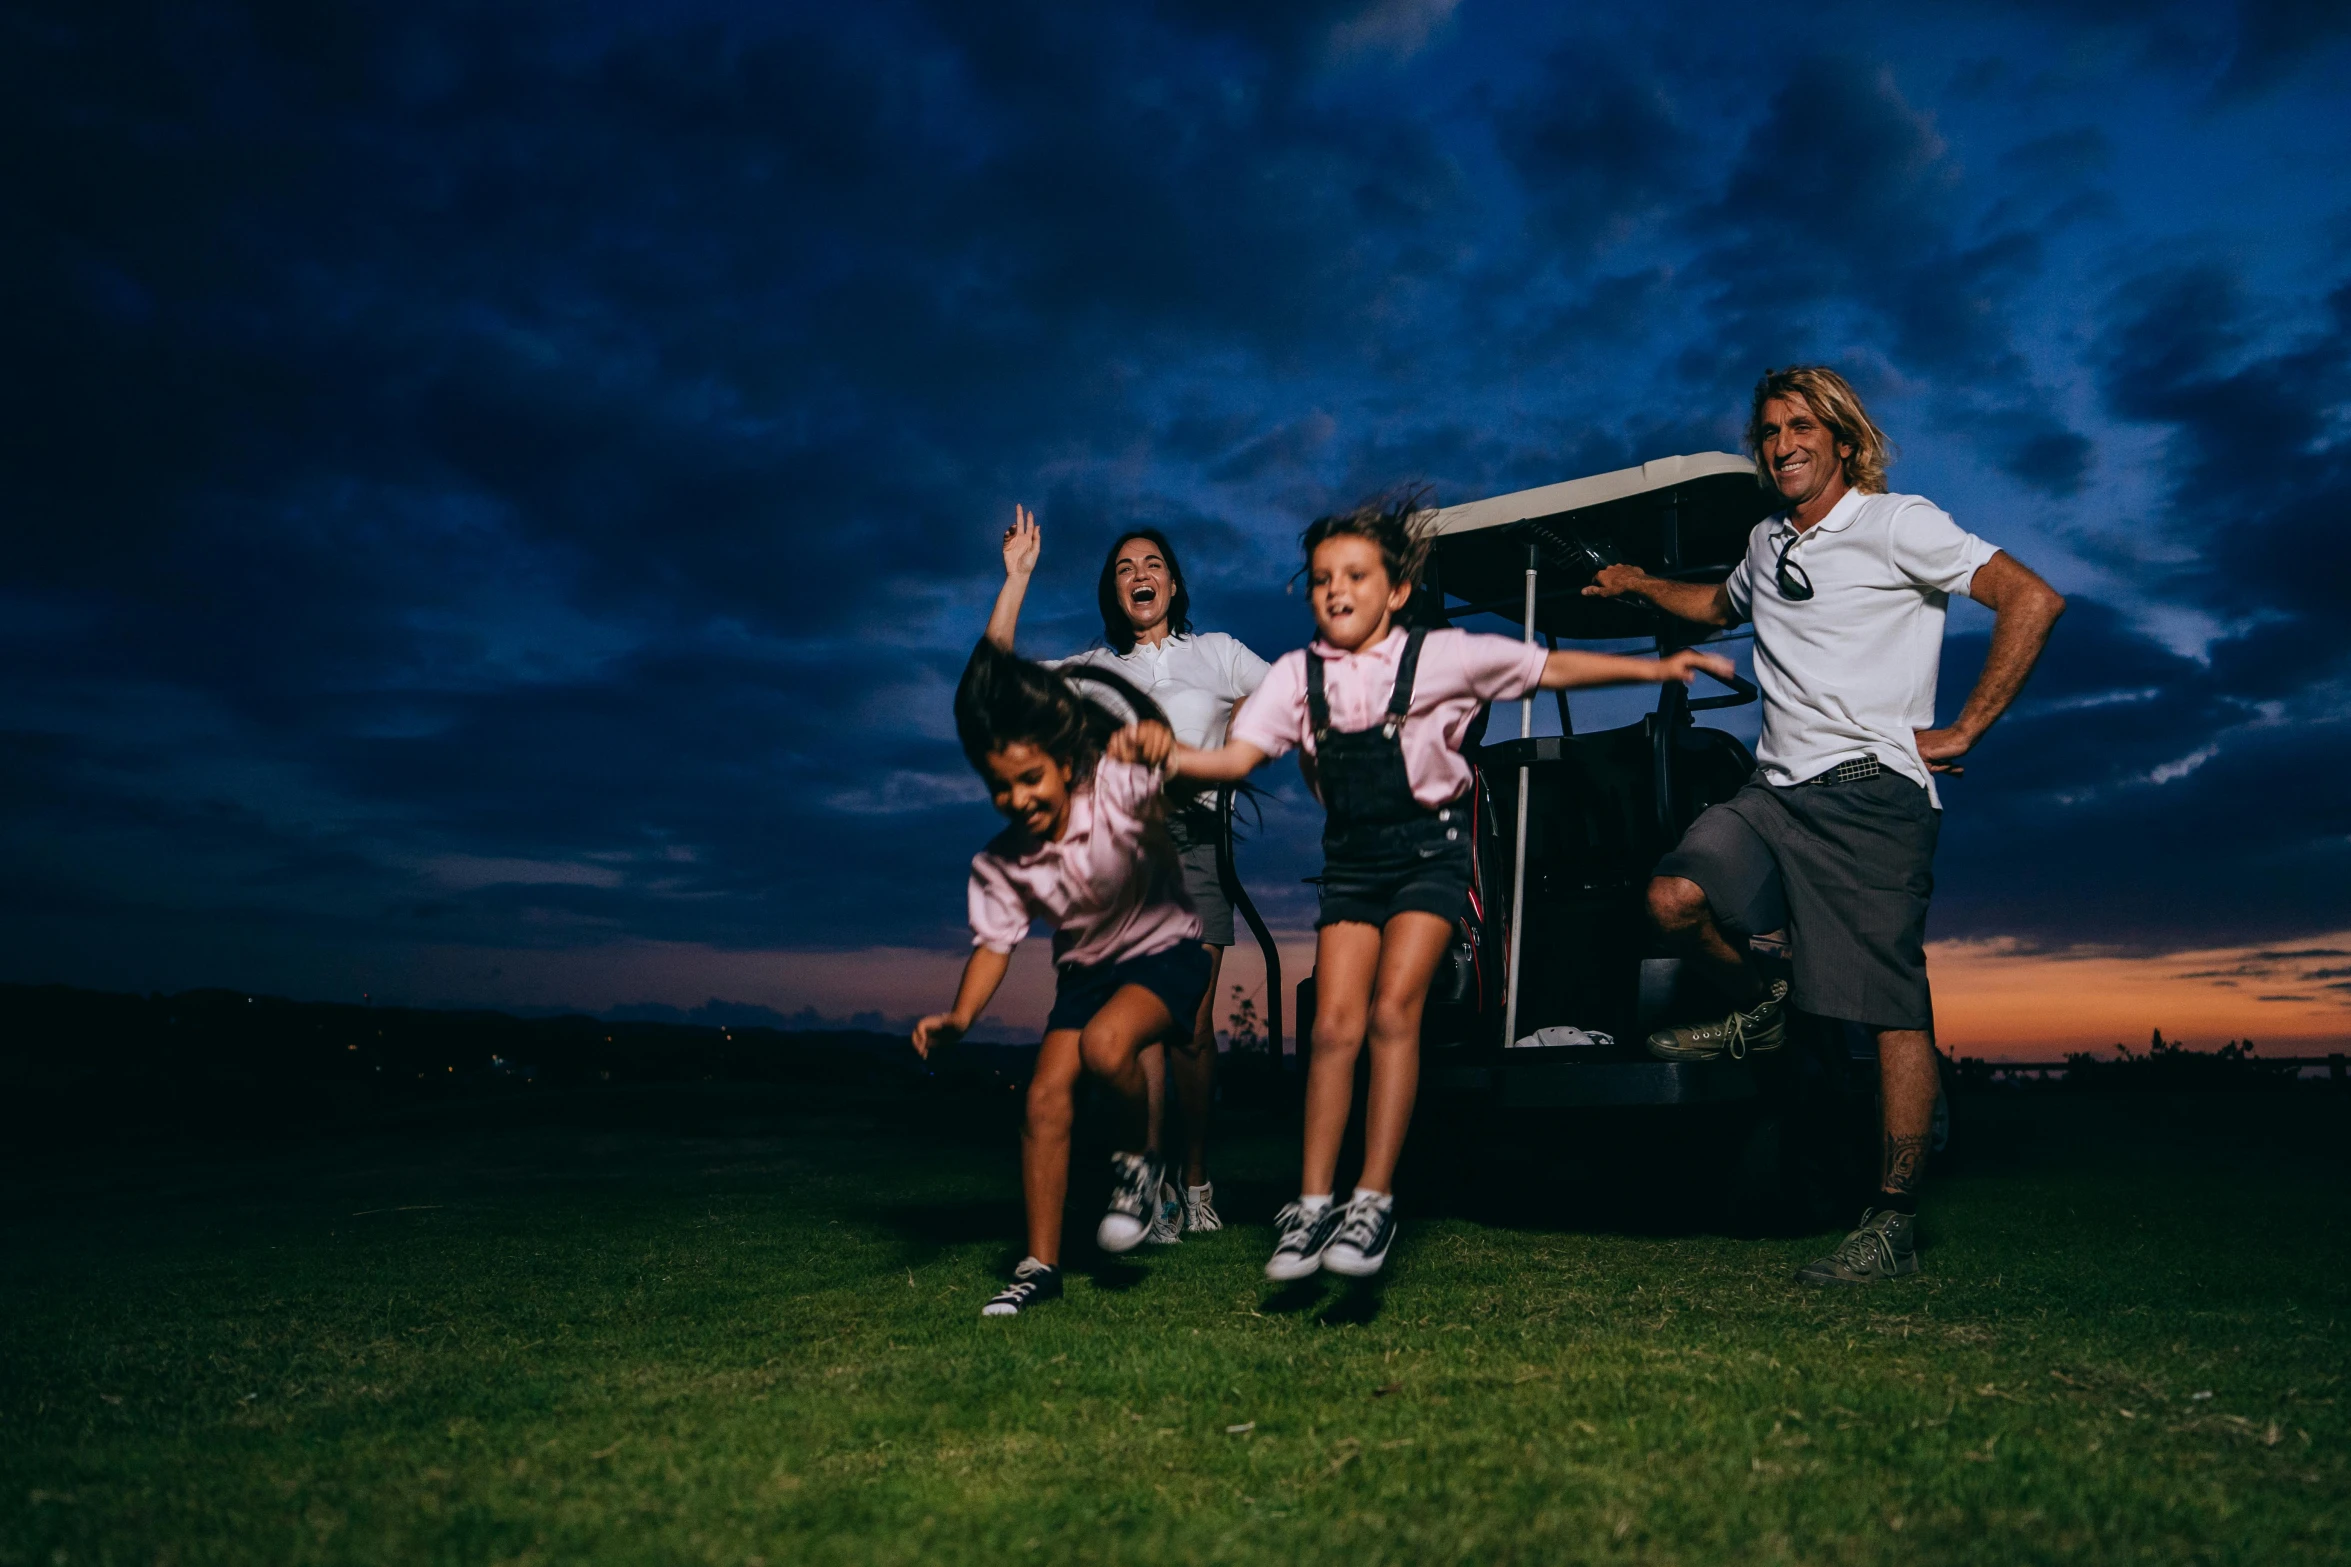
point(1679, 909)
point(1682, 914)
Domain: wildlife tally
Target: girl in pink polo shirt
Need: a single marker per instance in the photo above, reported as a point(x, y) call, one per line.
point(1088, 853)
point(1381, 711)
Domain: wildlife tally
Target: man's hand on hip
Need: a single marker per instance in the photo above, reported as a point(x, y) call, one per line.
point(1941, 750)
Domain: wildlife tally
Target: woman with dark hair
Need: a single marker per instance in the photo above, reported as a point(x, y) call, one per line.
point(1200, 679)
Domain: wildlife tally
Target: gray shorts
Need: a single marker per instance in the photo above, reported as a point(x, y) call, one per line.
point(1847, 869)
point(1195, 834)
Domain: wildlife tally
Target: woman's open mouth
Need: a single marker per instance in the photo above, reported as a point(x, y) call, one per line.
point(1144, 595)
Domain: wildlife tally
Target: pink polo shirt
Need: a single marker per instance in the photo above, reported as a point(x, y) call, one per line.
point(1108, 892)
point(1460, 671)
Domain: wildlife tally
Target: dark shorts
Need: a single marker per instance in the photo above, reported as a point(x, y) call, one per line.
point(1372, 874)
point(1195, 834)
point(1847, 869)
point(1177, 976)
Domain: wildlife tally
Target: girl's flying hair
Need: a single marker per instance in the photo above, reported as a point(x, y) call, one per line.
point(1396, 520)
point(1005, 699)
point(1117, 630)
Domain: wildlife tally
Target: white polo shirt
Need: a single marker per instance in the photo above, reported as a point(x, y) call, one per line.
point(1850, 672)
point(1195, 679)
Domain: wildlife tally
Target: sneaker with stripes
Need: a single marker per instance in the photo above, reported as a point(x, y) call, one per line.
point(1134, 1194)
point(1367, 1228)
point(1200, 1215)
point(1167, 1218)
point(1300, 1234)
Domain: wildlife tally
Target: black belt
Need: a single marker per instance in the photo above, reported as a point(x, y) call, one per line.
point(1851, 770)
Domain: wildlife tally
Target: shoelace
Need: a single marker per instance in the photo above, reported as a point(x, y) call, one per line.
point(1295, 1225)
point(1865, 1245)
point(1025, 1283)
point(1137, 1193)
point(1737, 1044)
point(1361, 1226)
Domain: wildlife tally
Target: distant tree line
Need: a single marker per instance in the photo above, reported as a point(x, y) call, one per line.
point(2164, 1067)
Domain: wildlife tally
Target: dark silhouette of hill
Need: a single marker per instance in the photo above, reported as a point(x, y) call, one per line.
point(84, 1066)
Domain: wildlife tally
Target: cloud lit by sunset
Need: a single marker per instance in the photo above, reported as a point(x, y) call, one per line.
point(1996, 999)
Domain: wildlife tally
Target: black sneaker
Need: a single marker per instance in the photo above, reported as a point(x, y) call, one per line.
point(1134, 1199)
point(1033, 1283)
point(1300, 1238)
point(1366, 1229)
point(1885, 1246)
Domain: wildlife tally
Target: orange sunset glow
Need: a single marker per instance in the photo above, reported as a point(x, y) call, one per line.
point(1994, 999)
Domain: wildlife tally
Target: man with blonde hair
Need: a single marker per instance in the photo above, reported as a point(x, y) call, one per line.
point(1835, 837)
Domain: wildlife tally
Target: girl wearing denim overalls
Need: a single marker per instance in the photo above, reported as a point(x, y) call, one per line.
point(1381, 712)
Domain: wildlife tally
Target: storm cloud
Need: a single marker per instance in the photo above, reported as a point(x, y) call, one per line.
point(525, 477)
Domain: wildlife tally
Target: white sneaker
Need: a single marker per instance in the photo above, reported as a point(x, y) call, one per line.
point(1167, 1219)
point(1134, 1188)
point(1200, 1215)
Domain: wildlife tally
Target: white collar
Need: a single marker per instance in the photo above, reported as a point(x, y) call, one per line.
point(1841, 516)
point(1397, 636)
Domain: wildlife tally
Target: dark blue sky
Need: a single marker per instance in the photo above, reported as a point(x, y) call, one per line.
point(502, 493)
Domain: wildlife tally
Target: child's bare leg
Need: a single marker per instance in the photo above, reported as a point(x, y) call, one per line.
point(1410, 949)
point(1346, 957)
point(1192, 1077)
point(1112, 1048)
point(1044, 1141)
point(1154, 1059)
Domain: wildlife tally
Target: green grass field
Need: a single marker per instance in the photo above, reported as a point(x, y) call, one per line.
point(727, 1334)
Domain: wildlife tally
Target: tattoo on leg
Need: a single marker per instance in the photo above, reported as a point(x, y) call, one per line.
point(1906, 1163)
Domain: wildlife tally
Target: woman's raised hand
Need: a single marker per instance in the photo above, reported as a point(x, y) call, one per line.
point(1023, 542)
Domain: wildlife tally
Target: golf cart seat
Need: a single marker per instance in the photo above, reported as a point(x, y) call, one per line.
point(1596, 828)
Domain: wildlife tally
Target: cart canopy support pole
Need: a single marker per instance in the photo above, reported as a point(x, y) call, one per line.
point(1518, 858)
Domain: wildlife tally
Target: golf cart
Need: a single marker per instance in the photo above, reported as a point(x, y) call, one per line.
point(1558, 977)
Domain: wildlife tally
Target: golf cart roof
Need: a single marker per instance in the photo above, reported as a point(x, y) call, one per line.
point(1682, 517)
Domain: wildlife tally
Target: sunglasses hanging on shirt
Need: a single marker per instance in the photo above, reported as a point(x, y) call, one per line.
point(1794, 585)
